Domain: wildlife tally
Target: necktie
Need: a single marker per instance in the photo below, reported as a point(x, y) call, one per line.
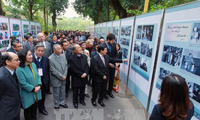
point(103, 60)
point(109, 48)
point(30, 44)
point(15, 76)
point(38, 59)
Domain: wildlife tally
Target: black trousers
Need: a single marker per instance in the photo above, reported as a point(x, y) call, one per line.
point(99, 87)
point(31, 112)
point(75, 94)
point(17, 117)
point(111, 79)
point(67, 85)
point(41, 103)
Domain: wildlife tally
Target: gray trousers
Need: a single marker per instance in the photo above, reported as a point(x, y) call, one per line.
point(59, 95)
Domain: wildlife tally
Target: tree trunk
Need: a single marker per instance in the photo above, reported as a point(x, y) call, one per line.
point(100, 10)
point(31, 10)
point(54, 20)
point(1, 8)
point(108, 12)
point(118, 8)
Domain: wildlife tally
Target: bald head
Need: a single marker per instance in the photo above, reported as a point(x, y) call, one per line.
point(10, 60)
point(57, 49)
point(41, 37)
point(77, 49)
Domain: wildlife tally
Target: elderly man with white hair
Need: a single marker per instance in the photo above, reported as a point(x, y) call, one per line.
point(47, 45)
point(58, 73)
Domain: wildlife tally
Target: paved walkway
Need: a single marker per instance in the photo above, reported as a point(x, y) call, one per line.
point(119, 108)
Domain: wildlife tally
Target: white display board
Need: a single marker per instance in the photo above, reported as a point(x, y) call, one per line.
point(179, 51)
point(125, 41)
point(33, 29)
point(146, 34)
point(109, 27)
point(25, 27)
point(115, 29)
point(15, 28)
point(104, 30)
point(38, 28)
point(4, 33)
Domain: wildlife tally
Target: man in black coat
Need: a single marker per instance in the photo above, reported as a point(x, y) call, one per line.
point(80, 69)
point(68, 53)
point(101, 73)
point(42, 64)
point(10, 103)
point(112, 52)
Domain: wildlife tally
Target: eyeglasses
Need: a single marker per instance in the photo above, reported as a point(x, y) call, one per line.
point(17, 60)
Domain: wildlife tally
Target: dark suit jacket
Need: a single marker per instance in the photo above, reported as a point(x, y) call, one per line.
point(44, 64)
point(10, 103)
point(52, 43)
point(11, 50)
point(157, 113)
point(100, 69)
point(78, 66)
point(68, 54)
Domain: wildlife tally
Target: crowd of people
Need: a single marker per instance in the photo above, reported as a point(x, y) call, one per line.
point(57, 62)
point(72, 60)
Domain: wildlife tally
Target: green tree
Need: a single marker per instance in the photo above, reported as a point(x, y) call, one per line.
point(56, 8)
point(1, 8)
point(26, 8)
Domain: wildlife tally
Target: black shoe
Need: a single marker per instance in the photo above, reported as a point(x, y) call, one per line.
point(56, 108)
point(101, 103)
point(83, 103)
point(49, 92)
point(65, 106)
point(106, 97)
point(94, 103)
point(44, 112)
point(86, 95)
point(76, 105)
point(111, 95)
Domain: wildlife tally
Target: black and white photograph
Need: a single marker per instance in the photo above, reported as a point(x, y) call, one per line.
point(124, 53)
point(137, 46)
point(191, 61)
point(125, 41)
point(163, 73)
point(143, 48)
point(172, 55)
point(139, 32)
point(144, 64)
point(136, 59)
point(126, 31)
point(147, 32)
point(190, 87)
point(149, 50)
point(196, 92)
point(195, 35)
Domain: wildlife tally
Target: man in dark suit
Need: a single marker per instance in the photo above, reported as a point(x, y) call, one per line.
point(54, 41)
point(112, 52)
point(42, 64)
point(68, 53)
point(10, 103)
point(16, 46)
point(80, 69)
point(101, 73)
